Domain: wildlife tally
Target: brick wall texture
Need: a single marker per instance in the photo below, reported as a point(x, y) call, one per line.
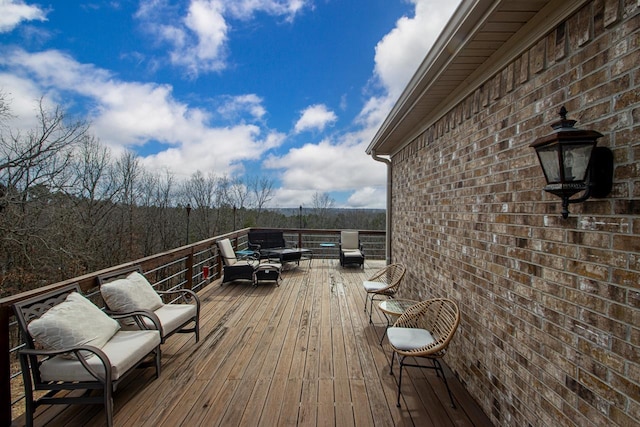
point(550, 331)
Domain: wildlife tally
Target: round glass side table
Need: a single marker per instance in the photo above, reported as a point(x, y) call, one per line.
point(392, 309)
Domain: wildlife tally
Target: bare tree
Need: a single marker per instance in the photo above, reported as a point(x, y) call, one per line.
point(41, 155)
point(127, 173)
point(322, 203)
point(262, 190)
point(94, 196)
point(200, 192)
point(238, 193)
point(158, 223)
point(34, 173)
point(5, 109)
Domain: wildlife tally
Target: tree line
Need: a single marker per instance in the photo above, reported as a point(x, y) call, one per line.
point(69, 206)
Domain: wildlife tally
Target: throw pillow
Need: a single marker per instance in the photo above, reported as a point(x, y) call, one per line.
point(131, 294)
point(75, 321)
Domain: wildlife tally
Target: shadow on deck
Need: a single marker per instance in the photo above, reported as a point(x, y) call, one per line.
point(303, 353)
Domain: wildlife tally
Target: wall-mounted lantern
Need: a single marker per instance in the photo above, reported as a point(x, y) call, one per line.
point(573, 164)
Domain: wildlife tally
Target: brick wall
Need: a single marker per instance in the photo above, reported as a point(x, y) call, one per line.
point(550, 331)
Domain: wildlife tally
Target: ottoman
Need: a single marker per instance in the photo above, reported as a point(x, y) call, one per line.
point(268, 271)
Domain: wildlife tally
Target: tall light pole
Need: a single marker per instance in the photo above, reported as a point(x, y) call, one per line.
point(300, 228)
point(188, 215)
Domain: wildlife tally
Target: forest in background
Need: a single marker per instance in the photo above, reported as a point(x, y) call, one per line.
point(68, 206)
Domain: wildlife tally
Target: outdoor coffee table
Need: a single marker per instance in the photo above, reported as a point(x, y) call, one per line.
point(392, 309)
point(284, 255)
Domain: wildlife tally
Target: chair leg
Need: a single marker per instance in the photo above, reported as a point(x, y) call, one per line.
point(158, 362)
point(400, 380)
point(393, 355)
point(30, 406)
point(439, 368)
point(108, 403)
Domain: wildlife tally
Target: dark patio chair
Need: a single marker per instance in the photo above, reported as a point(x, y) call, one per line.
point(247, 268)
point(351, 250)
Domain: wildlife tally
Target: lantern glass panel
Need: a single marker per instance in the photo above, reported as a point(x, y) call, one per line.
point(549, 160)
point(576, 161)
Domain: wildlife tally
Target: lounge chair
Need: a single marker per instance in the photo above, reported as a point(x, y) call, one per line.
point(351, 250)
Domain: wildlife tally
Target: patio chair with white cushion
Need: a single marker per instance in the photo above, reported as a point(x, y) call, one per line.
point(424, 330)
point(127, 290)
point(384, 282)
point(351, 250)
point(247, 268)
point(70, 344)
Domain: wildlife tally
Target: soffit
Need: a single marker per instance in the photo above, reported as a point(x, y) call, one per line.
point(481, 36)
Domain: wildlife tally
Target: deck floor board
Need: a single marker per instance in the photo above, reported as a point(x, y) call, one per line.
point(299, 354)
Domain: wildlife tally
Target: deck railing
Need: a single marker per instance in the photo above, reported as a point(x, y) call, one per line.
point(193, 267)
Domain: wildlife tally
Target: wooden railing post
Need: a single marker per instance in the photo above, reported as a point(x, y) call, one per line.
point(5, 368)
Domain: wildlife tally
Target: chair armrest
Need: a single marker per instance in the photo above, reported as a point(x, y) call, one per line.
point(254, 246)
point(187, 295)
point(104, 359)
point(137, 317)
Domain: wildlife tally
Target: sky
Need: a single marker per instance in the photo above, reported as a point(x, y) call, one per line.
point(291, 90)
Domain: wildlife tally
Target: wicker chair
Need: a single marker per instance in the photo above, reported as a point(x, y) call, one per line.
point(424, 330)
point(384, 282)
point(248, 268)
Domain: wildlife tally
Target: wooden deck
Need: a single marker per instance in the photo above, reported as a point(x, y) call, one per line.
point(303, 353)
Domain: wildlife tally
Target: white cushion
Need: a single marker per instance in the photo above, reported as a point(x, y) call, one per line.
point(370, 286)
point(266, 266)
point(228, 255)
point(172, 316)
point(409, 338)
point(75, 321)
point(349, 240)
point(130, 294)
point(351, 252)
point(124, 350)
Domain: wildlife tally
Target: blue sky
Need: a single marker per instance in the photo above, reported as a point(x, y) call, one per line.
point(290, 89)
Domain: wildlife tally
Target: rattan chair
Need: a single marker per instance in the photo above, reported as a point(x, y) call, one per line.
point(384, 282)
point(424, 330)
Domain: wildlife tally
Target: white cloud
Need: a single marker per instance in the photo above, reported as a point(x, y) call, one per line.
point(368, 197)
point(128, 113)
point(14, 12)
point(132, 113)
point(315, 117)
point(245, 9)
point(343, 165)
point(326, 167)
point(199, 39)
point(400, 52)
point(234, 106)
